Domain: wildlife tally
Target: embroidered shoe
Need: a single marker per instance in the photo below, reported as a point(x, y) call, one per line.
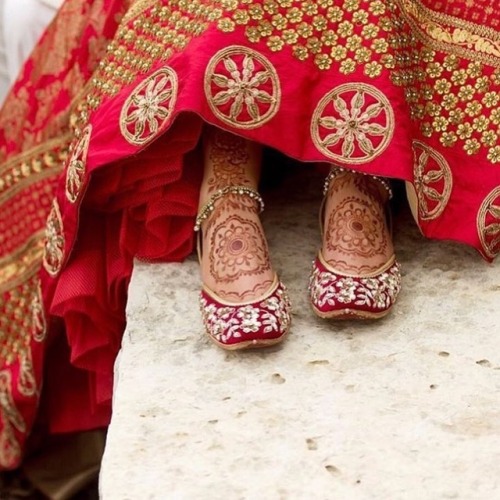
point(258, 323)
point(337, 295)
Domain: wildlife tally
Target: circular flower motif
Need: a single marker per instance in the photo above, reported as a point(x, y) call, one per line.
point(488, 224)
point(242, 87)
point(353, 123)
point(53, 254)
point(76, 165)
point(433, 180)
point(149, 107)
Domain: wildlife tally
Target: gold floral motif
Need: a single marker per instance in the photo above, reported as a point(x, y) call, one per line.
point(353, 123)
point(54, 241)
point(433, 180)
point(75, 172)
point(318, 31)
point(10, 451)
point(488, 224)
point(149, 107)
point(242, 87)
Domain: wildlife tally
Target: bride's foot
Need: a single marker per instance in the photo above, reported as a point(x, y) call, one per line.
point(243, 303)
point(355, 273)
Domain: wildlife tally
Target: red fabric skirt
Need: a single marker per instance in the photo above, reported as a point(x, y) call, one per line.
point(397, 88)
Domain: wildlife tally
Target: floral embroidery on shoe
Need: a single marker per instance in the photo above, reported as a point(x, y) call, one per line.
point(262, 320)
point(332, 291)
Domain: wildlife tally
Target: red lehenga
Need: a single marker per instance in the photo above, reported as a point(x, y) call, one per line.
point(99, 139)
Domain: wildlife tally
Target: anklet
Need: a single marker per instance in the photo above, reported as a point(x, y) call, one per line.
point(209, 206)
point(336, 171)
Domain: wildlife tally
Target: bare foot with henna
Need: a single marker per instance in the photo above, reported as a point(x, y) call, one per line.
point(356, 240)
point(235, 259)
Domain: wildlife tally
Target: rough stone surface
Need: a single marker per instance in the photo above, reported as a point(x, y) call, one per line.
point(407, 407)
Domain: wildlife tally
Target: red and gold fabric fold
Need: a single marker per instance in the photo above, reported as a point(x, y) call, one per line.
point(400, 88)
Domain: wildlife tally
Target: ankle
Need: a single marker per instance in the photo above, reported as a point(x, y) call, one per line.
point(251, 197)
point(371, 185)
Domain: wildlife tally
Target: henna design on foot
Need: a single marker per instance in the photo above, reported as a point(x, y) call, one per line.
point(357, 239)
point(237, 248)
point(356, 227)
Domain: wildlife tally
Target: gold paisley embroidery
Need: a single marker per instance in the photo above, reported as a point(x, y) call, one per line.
point(26, 384)
point(432, 179)
point(353, 123)
point(54, 241)
point(488, 224)
point(75, 172)
point(38, 321)
point(149, 107)
point(242, 87)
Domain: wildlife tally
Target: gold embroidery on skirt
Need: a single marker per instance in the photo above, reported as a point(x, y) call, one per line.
point(26, 383)
point(10, 451)
point(31, 166)
point(433, 181)
point(457, 104)
point(22, 318)
point(242, 87)
point(75, 172)
point(488, 223)
point(149, 107)
point(38, 321)
point(53, 254)
point(20, 265)
point(353, 123)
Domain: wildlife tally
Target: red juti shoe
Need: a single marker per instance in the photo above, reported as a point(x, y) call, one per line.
point(340, 295)
point(260, 322)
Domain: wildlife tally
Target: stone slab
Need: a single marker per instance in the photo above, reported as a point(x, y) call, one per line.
point(404, 408)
